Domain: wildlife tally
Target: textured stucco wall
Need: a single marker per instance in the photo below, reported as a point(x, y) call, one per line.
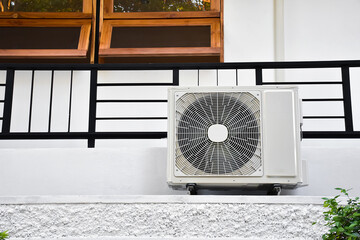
point(151, 219)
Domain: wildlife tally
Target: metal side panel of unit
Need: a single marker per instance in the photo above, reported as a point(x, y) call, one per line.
point(281, 133)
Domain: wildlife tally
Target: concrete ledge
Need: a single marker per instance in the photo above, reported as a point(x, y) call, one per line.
point(143, 238)
point(147, 199)
point(161, 217)
point(140, 238)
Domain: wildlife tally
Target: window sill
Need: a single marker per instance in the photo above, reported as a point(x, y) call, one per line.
point(144, 15)
point(160, 52)
point(42, 53)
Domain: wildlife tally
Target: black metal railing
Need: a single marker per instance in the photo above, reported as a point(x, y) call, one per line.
point(91, 134)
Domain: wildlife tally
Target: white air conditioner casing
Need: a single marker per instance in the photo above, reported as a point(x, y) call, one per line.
point(234, 137)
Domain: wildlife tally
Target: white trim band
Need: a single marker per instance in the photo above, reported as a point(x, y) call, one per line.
point(149, 199)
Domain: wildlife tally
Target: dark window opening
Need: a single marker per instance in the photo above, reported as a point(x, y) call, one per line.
point(41, 6)
point(39, 37)
point(157, 37)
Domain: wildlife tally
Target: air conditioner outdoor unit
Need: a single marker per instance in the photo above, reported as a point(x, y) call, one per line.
point(234, 137)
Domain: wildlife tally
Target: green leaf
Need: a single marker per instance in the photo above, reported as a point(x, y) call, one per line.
point(4, 235)
point(355, 235)
point(353, 225)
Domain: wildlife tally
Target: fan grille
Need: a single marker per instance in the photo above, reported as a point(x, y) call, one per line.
point(238, 154)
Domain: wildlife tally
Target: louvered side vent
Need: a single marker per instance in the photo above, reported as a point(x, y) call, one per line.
point(218, 133)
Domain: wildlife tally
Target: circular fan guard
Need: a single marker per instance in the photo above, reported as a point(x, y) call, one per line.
point(239, 154)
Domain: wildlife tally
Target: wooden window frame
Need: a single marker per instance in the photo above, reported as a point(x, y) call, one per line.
point(86, 13)
point(105, 41)
point(80, 52)
point(110, 14)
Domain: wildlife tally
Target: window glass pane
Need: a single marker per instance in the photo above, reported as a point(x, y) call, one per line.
point(41, 5)
point(155, 37)
point(39, 37)
point(161, 5)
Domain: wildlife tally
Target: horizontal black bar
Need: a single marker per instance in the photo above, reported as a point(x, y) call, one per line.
point(2, 84)
point(129, 100)
point(84, 135)
point(314, 134)
point(169, 66)
point(322, 99)
point(2, 101)
point(147, 135)
point(300, 83)
point(322, 117)
point(131, 118)
point(133, 84)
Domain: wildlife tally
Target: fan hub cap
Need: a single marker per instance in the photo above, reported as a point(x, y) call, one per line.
point(218, 133)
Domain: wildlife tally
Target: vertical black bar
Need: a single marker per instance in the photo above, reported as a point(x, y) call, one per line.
point(176, 77)
point(345, 75)
point(217, 77)
point(70, 98)
point(51, 99)
point(97, 35)
point(9, 87)
point(258, 76)
point(31, 98)
point(237, 77)
point(198, 80)
point(92, 106)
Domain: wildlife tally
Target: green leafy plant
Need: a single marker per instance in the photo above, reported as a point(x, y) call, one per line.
point(343, 219)
point(4, 235)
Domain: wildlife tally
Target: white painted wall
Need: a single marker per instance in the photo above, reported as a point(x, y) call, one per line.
point(134, 166)
point(82, 171)
point(322, 29)
point(142, 170)
point(313, 30)
point(248, 30)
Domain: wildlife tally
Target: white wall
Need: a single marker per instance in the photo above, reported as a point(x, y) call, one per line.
point(82, 171)
point(248, 30)
point(322, 29)
point(313, 30)
point(142, 170)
